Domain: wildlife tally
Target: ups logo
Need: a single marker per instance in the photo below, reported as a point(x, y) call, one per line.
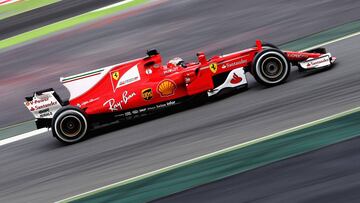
point(147, 94)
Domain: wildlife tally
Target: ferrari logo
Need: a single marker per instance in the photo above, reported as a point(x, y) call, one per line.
point(115, 75)
point(213, 67)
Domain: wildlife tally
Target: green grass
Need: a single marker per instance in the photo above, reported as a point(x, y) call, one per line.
point(9, 10)
point(65, 24)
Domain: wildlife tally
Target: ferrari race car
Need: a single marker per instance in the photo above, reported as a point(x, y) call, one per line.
point(144, 86)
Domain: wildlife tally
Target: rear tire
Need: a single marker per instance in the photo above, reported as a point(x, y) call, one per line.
point(270, 67)
point(69, 125)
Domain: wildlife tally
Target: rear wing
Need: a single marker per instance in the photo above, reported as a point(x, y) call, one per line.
point(44, 104)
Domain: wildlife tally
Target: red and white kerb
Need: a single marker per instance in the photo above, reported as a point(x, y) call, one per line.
point(4, 2)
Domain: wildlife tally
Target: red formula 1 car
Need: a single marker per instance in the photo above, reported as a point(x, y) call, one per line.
point(143, 86)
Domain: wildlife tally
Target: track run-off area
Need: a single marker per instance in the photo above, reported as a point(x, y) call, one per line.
point(39, 169)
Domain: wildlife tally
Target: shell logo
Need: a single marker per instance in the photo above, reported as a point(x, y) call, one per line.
point(166, 88)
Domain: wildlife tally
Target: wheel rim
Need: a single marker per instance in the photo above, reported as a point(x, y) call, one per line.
point(70, 133)
point(275, 77)
point(70, 126)
point(272, 68)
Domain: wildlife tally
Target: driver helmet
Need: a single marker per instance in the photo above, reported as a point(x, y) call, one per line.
point(175, 62)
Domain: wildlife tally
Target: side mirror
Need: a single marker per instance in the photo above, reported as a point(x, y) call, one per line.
point(201, 57)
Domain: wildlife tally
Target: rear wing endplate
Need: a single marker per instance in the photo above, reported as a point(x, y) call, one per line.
point(44, 104)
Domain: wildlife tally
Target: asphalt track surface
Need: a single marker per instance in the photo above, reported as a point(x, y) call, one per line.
point(176, 28)
point(48, 14)
point(326, 175)
point(40, 169)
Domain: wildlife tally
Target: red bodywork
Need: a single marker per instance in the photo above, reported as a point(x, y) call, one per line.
point(158, 83)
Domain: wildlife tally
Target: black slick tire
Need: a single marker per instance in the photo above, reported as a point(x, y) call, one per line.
point(69, 125)
point(270, 67)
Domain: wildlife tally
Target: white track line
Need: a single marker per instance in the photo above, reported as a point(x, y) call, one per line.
point(113, 5)
point(207, 156)
point(42, 130)
point(333, 41)
point(22, 136)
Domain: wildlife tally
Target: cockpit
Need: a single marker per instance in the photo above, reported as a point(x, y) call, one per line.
point(153, 64)
point(177, 61)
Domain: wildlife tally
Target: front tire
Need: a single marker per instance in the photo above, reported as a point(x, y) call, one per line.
point(69, 125)
point(270, 67)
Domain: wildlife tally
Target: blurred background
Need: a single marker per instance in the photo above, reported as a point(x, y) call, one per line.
point(176, 28)
point(43, 40)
